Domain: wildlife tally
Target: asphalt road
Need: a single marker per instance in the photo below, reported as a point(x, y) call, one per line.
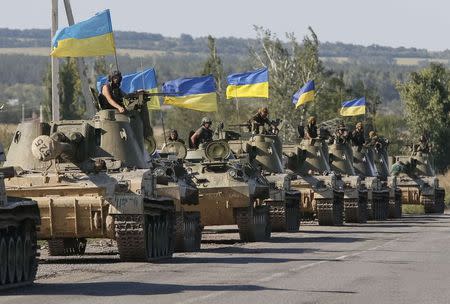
point(400, 261)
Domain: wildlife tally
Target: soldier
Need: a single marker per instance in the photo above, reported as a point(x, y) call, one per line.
point(111, 96)
point(203, 134)
point(173, 136)
point(311, 128)
point(260, 120)
point(423, 145)
point(341, 134)
point(375, 141)
point(357, 135)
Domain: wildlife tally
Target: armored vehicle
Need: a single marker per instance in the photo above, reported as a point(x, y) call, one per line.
point(178, 184)
point(231, 191)
point(19, 218)
point(381, 161)
point(265, 152)
point(355, 191)
point(378, 192)
point(93, 179)
point(418, 182)
point(322, 192)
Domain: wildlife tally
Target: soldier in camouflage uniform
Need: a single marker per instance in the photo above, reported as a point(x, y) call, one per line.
point(311, 128)
point(357, 136)
point(260, 119)
point(204, 134)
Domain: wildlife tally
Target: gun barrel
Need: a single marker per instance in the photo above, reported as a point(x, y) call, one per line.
point(44, 148)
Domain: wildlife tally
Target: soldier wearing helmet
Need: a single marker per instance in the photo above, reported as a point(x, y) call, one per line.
point(203, 134)
point(173, 136)
point(311, 128)
point(357, 136)
point(260, 119)
point(111, 96)
point(341, 134)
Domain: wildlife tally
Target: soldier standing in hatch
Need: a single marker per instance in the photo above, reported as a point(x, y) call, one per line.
point(203, 134)
point(357, 136)
point(260, 119)
point(423, 145)
point(111, 96)
point(311, 128)
point(173, 136)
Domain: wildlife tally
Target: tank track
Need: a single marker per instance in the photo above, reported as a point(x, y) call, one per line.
point(18, 269)
point(440, 200)
point(144, 237)
point(188, 232)
point(355, 210)
point(395, 205)
point(330, 212)
point(285, 216)
point(380, 205)
point(253, 223)
point(66, 246)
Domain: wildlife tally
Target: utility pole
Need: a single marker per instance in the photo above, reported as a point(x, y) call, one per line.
point(90, 110)
point(55, 65)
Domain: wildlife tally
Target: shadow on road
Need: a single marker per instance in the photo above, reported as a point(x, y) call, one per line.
point(109, 289)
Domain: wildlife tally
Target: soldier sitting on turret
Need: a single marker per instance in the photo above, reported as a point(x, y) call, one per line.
point(260, 119)
point(423, 145)
point(357, 136)
point(173, 137)
point(204, 134)
point(111, 96)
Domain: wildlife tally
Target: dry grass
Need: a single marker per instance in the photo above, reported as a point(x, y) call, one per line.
point(444, 181)
point(413, 209)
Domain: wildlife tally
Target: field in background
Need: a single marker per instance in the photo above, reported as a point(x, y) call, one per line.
point(133, 53)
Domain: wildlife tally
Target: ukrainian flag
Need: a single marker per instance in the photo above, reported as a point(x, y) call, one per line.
point(93, 37)
point(305, 94)
point(145, 80)
point(196, 93)
point(354, 107)
point(248, 84)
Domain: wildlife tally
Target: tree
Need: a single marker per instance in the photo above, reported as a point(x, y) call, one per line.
point(426, 97)
point(70, 94)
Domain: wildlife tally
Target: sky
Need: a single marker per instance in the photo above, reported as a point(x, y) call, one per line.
point(413, 23)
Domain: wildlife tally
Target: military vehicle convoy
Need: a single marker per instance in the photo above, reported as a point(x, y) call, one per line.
point(418, 182)
point(231, 191)
point(322, 192)
point(92, 179)
point(19, 218)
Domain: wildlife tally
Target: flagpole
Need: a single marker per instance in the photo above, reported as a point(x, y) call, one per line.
point(164, 128)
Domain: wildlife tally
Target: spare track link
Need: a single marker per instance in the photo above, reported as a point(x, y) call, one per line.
point(330, 212)
point(188, 232)
point(66, 246)
point(253, 223)
point(285, 216)
point(395, 205)
point(380, 205)
point(18, 268)
point(355, 210)
point(144, 237)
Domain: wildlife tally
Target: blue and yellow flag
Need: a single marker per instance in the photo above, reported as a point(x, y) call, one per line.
point(145, 80)
point(304, 95)
point(354, 107)
point(196, 93)
point(93, 37)
point(248, 84)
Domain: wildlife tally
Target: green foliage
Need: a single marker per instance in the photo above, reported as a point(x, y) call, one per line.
point(426, 98)
point(393, 128)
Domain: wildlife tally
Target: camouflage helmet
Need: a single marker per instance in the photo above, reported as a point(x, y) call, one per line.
point(372, 134)
point(115, 74)
point(312, 119)
point(359, 124)
point(206, 119)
